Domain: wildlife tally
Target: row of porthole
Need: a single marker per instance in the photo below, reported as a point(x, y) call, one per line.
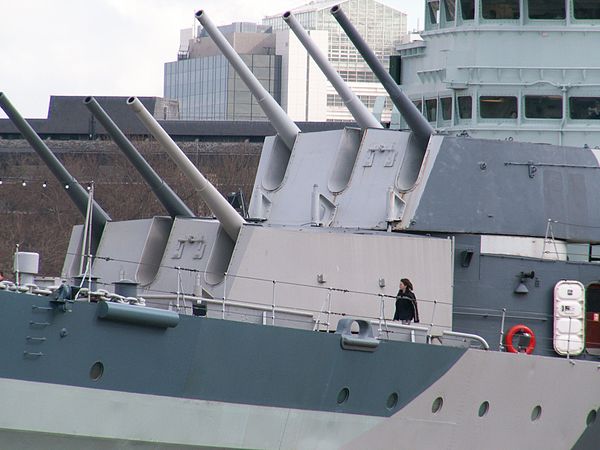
point(484, 408)
point(97, 370)
point(438, 403)
point(391, 402)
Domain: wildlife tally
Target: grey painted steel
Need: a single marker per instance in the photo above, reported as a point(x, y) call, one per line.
point(496, 187)
point(225, 213)
point(415, 120)
point(286, 128)
point(75, 191)
point(361, 114)
point(169, 199)
point(214, 360)
point(137, 315)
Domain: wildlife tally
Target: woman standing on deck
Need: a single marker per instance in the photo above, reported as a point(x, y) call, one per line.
point(406, 303)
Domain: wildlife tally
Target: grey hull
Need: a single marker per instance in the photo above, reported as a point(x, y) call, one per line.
point(215, 383)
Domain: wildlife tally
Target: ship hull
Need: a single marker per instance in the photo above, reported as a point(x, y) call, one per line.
point(221, 384)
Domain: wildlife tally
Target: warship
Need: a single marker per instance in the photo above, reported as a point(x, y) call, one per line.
point(274, 330)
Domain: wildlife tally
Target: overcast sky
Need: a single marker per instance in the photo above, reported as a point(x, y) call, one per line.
point(110, 47)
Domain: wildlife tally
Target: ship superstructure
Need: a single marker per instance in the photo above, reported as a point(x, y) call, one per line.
point(507, 69)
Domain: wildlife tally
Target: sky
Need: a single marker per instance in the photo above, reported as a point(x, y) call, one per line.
point(111, 47)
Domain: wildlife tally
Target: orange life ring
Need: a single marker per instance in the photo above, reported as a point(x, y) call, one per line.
point(511, 334)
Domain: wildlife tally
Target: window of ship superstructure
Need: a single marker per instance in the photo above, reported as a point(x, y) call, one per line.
point(446, 107)
point(465, 107)
point(419, 105)
point(500, 9)
point(396, 68)
point(498, 107)
point(546, 9)
point(543, 107)
point(587, 108)
point(467, 9)
point(586, 9)
point(450, 9)
point(431, 109)
point(433, 6)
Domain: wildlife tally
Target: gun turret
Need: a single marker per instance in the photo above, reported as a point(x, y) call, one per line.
point(170, 200)
point(422, 130)
point(74, 190)
point(229, 218)
point(285, 127)
point(359, 111)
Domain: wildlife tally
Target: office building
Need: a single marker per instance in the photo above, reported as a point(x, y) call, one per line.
point(208, 88)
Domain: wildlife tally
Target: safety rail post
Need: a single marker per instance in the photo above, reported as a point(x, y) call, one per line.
point(501, 346)
point(329, 308)
point(273, 304)
point(224, 294)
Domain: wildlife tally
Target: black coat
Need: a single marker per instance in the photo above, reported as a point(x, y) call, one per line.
point(406, 306)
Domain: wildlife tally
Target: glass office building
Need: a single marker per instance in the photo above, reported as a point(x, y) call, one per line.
point(381, 26)
point(208, 88)
point(206, 85)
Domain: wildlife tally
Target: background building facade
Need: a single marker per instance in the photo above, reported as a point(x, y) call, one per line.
point(208, 88)
point(206, 85)
point(381, 26)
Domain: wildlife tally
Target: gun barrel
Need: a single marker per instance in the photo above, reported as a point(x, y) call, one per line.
point(359, 111)
point(415, 120)
point(230, 220)
point(285, 127)
point(78, 195)
point(169, 199)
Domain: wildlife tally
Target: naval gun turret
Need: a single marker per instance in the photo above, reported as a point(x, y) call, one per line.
point(421, 128)
point(78, 195)
point(169, 199)
point(285, 127)
point(359, 111)
point(228, 217)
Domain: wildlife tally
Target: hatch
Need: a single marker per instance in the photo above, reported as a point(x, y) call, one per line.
point(569, 317)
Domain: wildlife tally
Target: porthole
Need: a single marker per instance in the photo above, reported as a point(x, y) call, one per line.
point(536, 413)
point(343, 395)
point(591, 417)
point(484, 408)
point(392, 400)
point(437, 405)
point(96, 371)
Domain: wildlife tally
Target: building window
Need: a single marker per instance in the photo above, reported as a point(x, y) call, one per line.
point(543, 107)
point(467, 8)
point(465, 107)
point(498, 107)
point(587, 108)
point(586, 9)
point(450, 8)
point(431, 109)
point(500, 9)
point(446, 105)
point(546, 9)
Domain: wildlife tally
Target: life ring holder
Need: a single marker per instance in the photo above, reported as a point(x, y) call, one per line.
point(511, 334)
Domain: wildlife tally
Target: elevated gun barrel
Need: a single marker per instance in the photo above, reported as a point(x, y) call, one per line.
point(74, 190)
point(285, 127)
point(359, 111)
point(169, 199)
point(415, 120)
point(229, 218)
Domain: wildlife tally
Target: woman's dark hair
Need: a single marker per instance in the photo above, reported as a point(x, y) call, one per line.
point(406, 282)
